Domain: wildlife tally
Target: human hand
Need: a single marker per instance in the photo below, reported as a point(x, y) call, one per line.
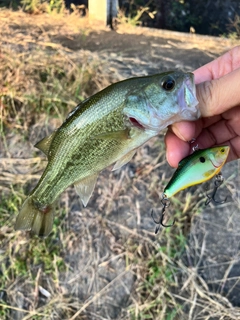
point(218, 93)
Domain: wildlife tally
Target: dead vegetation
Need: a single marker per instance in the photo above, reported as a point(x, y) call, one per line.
point(104, 261)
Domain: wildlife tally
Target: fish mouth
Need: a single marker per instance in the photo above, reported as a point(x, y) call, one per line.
point(136, 123)
point(188, 100)
point(190, 92)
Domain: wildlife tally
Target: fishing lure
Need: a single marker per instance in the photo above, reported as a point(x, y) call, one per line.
point(200, 166)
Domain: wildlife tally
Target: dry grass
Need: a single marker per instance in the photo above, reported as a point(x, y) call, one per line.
point(102, 262)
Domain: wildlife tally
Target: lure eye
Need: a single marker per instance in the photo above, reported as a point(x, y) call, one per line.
point(168, 83)
point(202, 159)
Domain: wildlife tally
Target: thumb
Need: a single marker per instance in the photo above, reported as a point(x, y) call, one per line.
point(219, 95)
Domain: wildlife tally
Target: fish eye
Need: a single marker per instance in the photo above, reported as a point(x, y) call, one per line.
point(168, 83)
point(202, 159)
point(222, 150)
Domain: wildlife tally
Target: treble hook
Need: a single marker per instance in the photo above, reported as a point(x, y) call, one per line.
point(218, 182)
point(166, 203)
point(196, 147)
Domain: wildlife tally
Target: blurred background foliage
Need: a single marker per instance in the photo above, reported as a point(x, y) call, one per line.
point(210, 17)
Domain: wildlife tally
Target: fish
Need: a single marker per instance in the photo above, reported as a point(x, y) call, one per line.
point(200, 166)
point(105, 129)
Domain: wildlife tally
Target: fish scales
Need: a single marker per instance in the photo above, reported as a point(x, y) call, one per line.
point(76, 164)
point(84, 126)
point(104, 129)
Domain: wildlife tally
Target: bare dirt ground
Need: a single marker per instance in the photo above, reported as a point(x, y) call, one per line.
point(147, 52)
point(105, 243)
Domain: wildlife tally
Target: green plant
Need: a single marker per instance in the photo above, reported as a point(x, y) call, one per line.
point(234, 27)
point(31, 6)
point(134, 19)
point(56, 5)
point(38, 6)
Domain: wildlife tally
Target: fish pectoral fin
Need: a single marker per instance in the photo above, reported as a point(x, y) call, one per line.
point(125, 159)
point(45, 143)
point(114, 135)
point(85, 187)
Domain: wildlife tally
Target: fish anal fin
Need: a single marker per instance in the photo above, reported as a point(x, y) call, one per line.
point(125, 159)
point(45, 143)
point(85, 187)
point(114, 135)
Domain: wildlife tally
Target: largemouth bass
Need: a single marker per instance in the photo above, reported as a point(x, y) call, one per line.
point(104, 129)
point(197, 168)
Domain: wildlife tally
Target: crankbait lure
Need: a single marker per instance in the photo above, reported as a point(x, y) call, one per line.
point(200, 166)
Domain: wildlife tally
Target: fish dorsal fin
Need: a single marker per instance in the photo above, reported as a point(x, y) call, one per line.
point(45, 143)
point(85, 187)
point(125, 159)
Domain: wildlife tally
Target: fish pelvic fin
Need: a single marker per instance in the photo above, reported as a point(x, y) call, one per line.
point(124, 160)
point(31, 218)
point(45, 143)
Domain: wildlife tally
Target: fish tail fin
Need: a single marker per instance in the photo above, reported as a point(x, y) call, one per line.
point(31, 218)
